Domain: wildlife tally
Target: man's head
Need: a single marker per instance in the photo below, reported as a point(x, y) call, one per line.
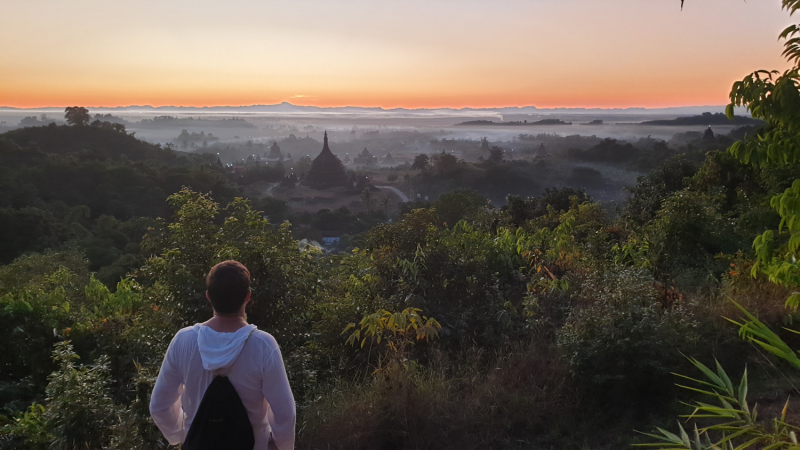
point(228, 287)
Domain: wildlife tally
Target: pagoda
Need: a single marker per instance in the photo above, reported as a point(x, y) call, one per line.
point(365, 158)
point(326, 170)
point(275, 155)
point(708, 135)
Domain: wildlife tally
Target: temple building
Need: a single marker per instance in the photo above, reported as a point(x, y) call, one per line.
point(388, 160)
point(275, 156)
point(326, 170)
point(365, 158)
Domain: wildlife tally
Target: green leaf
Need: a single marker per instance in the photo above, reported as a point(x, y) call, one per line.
point(684, 436)
point(708, 373)
point(743, 391)
point(670, 437)
point(729, 111)
point(724, 377)
point(701, 391)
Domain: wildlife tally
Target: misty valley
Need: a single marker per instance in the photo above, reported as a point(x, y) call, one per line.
point(407, 163)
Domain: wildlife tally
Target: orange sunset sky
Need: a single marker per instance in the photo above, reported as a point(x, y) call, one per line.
point(410, 53)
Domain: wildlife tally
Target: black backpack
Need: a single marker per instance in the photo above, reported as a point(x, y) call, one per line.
point(221, 422)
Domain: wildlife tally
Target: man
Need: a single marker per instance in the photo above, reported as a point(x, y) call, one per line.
point(225, 344)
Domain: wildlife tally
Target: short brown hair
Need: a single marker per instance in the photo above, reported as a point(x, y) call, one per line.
point(227, 285)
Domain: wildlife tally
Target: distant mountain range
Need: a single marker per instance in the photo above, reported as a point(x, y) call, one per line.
point(286, 108)
point(514, 123)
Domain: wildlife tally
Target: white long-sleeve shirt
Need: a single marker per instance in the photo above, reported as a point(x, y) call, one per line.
point(197, 354)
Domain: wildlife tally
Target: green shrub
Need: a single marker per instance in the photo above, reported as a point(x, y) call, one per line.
point(80, 410)
point(622, 345)
point(689, 230)
point(134, 429)
point(39, 293)
point(28, 431)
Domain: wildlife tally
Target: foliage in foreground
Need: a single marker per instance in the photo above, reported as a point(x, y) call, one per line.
point(548, 323)
point(774, 98)
point(732, 423)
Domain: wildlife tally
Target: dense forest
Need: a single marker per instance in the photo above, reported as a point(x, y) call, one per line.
point(552, 321)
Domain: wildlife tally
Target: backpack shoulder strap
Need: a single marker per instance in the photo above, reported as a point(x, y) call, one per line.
point(224, 371)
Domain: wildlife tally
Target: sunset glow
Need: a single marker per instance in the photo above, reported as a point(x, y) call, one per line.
point(441, 53)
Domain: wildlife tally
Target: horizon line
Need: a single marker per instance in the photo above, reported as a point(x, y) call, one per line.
point(381, 108)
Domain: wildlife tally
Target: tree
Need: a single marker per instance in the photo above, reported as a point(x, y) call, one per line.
point(421, 162)
point(521, 210)
point(444, 164)
point(775, 98)
point(366, 197)
point(195, 241)
point(650, 191)
point(303, 165)
point(586, 176)
point(459, 204)
point(496, 154)
point(77, 116)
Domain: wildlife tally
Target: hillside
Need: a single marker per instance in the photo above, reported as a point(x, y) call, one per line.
point(705, 119)
point(92, 188)
point(103, 142)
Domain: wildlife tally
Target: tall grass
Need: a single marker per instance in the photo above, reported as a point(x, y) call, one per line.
point(510, 398)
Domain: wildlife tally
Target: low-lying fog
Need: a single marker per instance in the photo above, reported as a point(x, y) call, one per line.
point(602, 152)
point(349, 133)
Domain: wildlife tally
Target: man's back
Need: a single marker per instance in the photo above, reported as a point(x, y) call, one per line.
point(255, 369)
